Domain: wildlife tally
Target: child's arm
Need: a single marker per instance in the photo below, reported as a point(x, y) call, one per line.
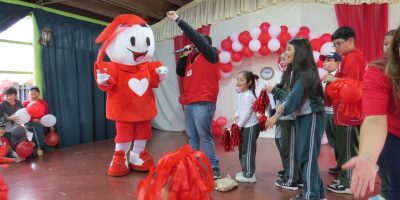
point(247, 110)
point(293, 100)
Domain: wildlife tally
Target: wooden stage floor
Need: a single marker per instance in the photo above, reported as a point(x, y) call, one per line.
point(80, 172)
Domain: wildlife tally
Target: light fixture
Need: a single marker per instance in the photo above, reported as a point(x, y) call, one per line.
point(45, 35)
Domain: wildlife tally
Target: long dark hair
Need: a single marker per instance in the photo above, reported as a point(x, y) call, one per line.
point(393, 67)
point(303, 64)
point(285, 79)
point(249, 76)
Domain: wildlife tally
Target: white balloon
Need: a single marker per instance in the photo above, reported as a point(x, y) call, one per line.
point(327, 48)
point(237, 46)
point(255, 32)
point(313, 35)
point(236, 63)
point(234, 36)
point(224, 57)
point(48, 120)
point(23, 116)
point(293, 31)
point(316, 55)
point(255, 45)
point(322, 73)
point(274, 45)
point(274, 31)
point(225, 75)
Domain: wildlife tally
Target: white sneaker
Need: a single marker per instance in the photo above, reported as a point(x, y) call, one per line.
point(240, 178)
point(239, 174)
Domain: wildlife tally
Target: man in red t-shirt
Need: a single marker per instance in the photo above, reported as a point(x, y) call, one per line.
point(347, 128)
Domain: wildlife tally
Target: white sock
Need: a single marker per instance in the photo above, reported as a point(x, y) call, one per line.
point(139, 146)
point(126, 146)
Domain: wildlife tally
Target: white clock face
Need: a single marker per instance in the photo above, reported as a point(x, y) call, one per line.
point(267, 73)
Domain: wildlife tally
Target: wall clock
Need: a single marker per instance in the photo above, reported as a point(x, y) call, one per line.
point(267, 73)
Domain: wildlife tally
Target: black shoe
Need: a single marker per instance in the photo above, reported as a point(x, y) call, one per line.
point(216, 173)
point(335, 170)
point(298, 197)
point(339, 188)
point(300, 183)
point(281, 174)
point(282, 183)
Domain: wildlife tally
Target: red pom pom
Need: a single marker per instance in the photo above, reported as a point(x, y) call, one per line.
point(261, 103)
point(262, 119)
point(235, 135)
point(226, 141)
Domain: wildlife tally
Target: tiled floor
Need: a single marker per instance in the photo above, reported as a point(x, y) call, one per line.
point(80, 172)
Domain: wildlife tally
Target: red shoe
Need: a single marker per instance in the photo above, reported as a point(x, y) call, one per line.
point(142, 162)
point(119, 166)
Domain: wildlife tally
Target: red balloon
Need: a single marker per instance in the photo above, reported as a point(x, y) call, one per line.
point(4, 147)
point(227, 67)
point(281, 49)
point(316, 44)
point(214, 123)
point(264, 27)
point(24, 149)
point(236, 56)
point(246, 52)
point(304, 29)
point(284, 28)
point(36, 109)
point(326, 37)
point(217, 131)
point(264, 51)
point(244, 37)
point(226, 44)
point(320, 64)
point(5, 84)
point(51, 139)
point(302, 35)
point(284, 38)
point(222, 121)
point(264, 38)
point(350, 93)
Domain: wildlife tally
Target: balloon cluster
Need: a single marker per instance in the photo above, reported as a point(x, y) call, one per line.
point(266, 38)
point(218, 125)
point(348, 92)
point(36, 110)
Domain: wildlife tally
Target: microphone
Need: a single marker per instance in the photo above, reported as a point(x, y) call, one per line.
point(186, 48)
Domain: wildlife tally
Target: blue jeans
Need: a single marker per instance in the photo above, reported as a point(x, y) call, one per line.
point(198, 119)
point(391, 158)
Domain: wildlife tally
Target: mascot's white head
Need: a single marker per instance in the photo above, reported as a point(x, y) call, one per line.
point(127, 40)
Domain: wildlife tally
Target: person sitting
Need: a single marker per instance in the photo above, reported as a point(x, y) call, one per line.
point(34, 124)
point(10, 105)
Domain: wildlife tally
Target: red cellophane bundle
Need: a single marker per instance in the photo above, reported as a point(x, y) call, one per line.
point(235, 135)
point(261, 103)
point(262, 119)
point(181, 175)
point(226, 141)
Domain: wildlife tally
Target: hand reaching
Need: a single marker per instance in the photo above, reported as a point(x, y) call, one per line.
point(172, 15)
point(102, 78)
point(162, 71)
point(271, 121)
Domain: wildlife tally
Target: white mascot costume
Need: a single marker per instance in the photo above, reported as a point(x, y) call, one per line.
point(128, 80)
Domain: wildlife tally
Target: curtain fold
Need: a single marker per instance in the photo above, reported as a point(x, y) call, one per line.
point(69, 85)
point(370, 23)
point(180, 42)
point(10, 14)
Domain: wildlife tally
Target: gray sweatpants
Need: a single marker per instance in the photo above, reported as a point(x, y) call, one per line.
point(247, 149)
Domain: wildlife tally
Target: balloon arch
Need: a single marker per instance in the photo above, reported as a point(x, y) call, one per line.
point(266, 39)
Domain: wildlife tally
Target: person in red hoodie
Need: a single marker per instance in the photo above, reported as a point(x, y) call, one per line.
point(347, 128)
point(201, 77)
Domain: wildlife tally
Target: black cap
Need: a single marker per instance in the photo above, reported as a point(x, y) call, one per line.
point(34, 88)
point(337, 57)
point(2, 124)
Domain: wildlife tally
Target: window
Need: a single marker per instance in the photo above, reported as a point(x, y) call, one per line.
point(17, 53)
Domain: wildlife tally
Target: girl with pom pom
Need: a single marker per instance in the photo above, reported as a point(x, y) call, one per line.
point(247, 120)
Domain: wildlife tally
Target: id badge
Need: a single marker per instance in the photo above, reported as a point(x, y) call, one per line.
point(189, 73)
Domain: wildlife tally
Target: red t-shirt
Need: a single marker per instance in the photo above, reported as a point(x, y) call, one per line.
point(352, 67)
point(42, 101)
point(378, 98)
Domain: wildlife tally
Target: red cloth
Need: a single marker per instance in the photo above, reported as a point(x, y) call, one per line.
point(352, 67)
point(203, 83)
point(131, 98)
point(180, 42)
point(370, 23)
point(42, 101)
point(378, 99)
point(130, 131)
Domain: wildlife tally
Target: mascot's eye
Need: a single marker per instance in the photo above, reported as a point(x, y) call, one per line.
point(148, 41)
point(133, 41)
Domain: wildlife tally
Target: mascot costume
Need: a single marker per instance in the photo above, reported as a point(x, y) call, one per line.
point(128, 80)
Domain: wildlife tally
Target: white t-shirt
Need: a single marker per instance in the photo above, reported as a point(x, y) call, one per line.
point(246, 116)
point(328, 109)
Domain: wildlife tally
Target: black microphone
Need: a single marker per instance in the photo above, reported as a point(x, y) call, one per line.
point(183, 49)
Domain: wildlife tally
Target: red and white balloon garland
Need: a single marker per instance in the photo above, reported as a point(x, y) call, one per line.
point(265, 39)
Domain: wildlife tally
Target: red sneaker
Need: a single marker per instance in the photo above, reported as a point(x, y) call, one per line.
point(119, 165)
point(142, 162)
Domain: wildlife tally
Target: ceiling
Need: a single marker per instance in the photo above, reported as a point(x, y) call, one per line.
point(105, 10)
